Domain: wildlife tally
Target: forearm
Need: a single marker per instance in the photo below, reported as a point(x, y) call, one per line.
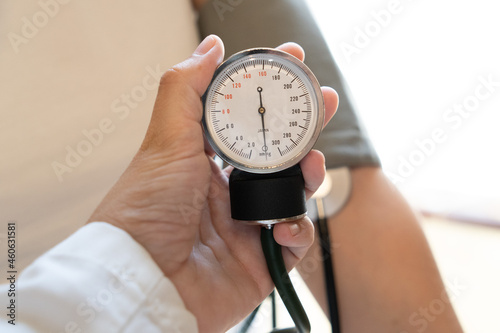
point(384, 268)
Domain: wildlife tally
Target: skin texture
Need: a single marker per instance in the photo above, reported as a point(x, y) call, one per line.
point(174, 201)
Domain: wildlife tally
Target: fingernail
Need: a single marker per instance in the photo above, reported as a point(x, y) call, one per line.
point(294, 228)
point(205, 46)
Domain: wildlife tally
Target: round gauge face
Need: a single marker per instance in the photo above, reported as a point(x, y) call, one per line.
point(263, 110)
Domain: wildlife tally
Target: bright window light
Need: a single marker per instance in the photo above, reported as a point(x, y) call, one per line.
point(426, 78)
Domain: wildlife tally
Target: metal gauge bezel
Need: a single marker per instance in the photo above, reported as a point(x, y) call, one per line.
point(318, 96)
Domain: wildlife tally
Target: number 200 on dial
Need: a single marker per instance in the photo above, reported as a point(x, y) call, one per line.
point(263, 110)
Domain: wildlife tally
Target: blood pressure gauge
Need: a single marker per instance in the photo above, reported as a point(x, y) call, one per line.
point(263, 112)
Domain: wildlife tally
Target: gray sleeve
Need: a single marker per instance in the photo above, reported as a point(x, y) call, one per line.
point(244, 24)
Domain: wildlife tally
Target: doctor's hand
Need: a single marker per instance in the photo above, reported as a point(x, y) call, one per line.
point(174, 201)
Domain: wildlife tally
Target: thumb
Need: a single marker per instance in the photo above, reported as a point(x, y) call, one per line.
point(178, 106)
point(200, 67)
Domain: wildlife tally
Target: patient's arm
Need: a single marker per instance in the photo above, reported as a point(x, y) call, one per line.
point(386, 276)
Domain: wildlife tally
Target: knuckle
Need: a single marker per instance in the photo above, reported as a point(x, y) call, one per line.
point(173, 74)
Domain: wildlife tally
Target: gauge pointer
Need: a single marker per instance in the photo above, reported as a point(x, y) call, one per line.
point(262, 110)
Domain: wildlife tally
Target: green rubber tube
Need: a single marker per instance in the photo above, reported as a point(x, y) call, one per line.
point(279, 275)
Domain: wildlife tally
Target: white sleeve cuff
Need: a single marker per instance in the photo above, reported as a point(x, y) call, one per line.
point(99, 280)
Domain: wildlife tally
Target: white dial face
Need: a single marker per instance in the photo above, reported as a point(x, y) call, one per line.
point(263, 111)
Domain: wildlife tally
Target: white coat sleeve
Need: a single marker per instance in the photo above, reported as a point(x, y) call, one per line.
point(98, 280)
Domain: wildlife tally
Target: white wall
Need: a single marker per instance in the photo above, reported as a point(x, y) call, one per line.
point(407, 75)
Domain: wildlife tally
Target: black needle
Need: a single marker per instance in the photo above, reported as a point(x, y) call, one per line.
point(262, 110)
point(259, 89)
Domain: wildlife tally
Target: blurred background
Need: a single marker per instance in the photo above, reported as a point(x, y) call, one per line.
point(424, 74)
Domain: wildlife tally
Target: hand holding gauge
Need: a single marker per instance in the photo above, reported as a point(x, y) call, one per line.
point(159, 200)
